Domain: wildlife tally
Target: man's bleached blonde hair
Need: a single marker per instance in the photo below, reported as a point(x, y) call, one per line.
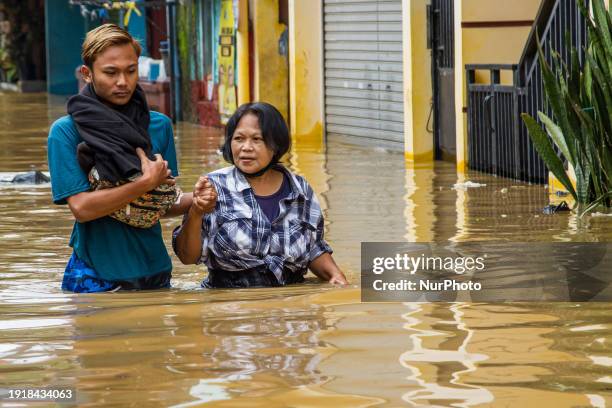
point(99, 39)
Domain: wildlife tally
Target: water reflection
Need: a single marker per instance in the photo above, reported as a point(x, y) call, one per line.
point(420, 219)
point(309, 344)
point(440, 353)
point(366, 201)
point(252, 338)
point(471, 354)
point(210, 347)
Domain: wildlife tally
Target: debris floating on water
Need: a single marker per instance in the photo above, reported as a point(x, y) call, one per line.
point(26, 178)
point(552, 208)
point(466, 185)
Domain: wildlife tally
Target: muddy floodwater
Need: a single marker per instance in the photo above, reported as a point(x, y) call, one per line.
point(308, 345)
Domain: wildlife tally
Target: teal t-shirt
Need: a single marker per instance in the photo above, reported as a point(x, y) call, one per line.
point(116, 251)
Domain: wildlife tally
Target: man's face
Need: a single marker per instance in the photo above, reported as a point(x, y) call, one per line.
point(115, 74)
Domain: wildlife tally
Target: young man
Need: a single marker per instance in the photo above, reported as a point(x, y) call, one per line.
point(109, 254)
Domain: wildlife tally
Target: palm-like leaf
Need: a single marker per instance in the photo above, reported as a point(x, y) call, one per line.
point(581, 101)
point(542, 144)
point(557, 136)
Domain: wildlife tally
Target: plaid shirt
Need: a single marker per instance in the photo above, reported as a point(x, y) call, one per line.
point(238, 236)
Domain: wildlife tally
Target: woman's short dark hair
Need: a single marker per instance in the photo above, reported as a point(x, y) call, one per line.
point(273, 129)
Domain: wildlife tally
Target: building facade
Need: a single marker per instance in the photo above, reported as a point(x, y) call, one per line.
point(385, 73)
point(365, 71)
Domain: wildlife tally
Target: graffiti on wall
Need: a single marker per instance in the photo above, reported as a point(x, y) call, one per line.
point(226, 55)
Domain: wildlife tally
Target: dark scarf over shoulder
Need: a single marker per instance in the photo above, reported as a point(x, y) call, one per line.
point(111, 135)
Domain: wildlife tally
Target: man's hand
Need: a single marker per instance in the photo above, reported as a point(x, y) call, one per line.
point(204, 197)
point(154, 173)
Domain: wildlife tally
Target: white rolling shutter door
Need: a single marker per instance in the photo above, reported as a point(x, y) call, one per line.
point(363, 69)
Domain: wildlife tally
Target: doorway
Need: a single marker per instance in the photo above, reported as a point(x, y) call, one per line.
point(441, 34)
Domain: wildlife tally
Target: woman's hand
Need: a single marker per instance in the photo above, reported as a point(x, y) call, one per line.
point(338, 279)
point(188, 242)
point(204, 197)
point(326, 269)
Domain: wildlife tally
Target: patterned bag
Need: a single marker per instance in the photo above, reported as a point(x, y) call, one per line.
point(146, 210)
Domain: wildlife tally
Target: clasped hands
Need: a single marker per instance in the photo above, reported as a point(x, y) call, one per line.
point(204, 196)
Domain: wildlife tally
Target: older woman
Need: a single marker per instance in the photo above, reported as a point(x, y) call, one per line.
point(255, 223)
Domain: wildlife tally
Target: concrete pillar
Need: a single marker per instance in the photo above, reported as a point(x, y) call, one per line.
point(242, 53)
point(271, 82)
point(306, 72)
point(418, 143)
point(306, 94)
point(460, 122)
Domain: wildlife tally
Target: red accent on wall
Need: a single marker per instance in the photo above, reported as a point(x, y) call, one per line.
point(158, 95)
point(208, 110)
point(496, 24)
point(156, 30)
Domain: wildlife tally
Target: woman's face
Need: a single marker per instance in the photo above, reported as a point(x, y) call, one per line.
point(249, 150)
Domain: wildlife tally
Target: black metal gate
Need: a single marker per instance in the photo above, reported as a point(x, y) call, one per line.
point(498, 141)
point(441, 42)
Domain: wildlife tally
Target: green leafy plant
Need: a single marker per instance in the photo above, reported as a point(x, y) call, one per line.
point(8, 71)
point(580, 97)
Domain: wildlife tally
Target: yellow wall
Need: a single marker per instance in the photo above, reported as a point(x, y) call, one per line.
point(495, 45)
point(417, 83)
point(305, 72)
point(499, 10)
point(271, 82)
point(306, 94)
point(242, 42)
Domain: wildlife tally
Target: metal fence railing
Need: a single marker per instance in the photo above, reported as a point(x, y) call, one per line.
point(498, 141)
